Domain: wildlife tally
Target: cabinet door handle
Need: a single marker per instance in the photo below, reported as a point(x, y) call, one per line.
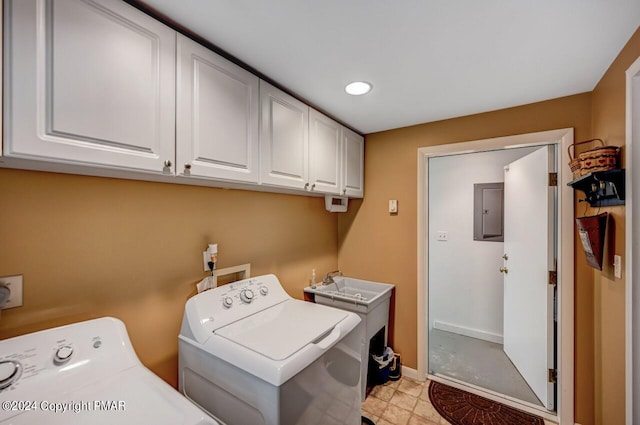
point(344, 191)
point(187, 166)
point(504, 270)
point(306, 185)
point(167, 163)
point(313, 186)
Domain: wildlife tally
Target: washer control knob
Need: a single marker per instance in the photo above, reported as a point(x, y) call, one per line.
point(247, 295)
point(264, 290)
point(227, 302)
point(63, 354)
point(9, 373)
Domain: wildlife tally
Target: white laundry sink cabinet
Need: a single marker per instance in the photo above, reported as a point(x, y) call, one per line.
point(370, 300)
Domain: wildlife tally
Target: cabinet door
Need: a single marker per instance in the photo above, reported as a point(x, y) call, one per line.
point(284, 139)
point(353, 164)
point(217, 116)
point(324, 153)
point(89, 82)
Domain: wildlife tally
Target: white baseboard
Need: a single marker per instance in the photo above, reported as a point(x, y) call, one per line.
point(409, 373)
point(463, 330)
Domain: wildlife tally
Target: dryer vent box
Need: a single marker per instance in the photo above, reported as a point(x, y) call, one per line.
point(336, 203)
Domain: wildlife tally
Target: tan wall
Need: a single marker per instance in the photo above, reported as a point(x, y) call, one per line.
point(91, 247)
point(608, 123)
point(376, 245)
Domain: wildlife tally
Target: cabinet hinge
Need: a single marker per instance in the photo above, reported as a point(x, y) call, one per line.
point(553, 278)
point(553, 375)
point(553, 179)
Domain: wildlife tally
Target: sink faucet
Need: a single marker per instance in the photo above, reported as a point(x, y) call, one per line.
point(328, 279)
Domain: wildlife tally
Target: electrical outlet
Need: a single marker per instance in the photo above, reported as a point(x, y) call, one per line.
point(211, 254)
point(14, 283)
point(617, 266)
point(206, 259)
point(443, 236)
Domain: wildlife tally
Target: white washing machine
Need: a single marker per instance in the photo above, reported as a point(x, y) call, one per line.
point(251, 354)
point(85, 373)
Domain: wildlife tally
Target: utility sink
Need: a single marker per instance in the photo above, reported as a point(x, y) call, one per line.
point(370, 300)
point(348, 293)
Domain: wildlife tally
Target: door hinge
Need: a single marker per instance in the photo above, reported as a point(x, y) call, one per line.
point(553, 277)
point(553, 179)
point(553, 375)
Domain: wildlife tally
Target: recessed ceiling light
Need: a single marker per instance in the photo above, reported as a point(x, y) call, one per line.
point(358, 88)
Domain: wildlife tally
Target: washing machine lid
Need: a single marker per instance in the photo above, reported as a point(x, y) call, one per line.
point(284, 329)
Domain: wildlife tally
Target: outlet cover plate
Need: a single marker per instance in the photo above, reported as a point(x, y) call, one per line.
point(14, 283)
point(442, 236)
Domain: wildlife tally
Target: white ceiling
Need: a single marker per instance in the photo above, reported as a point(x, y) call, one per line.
point(427, 59)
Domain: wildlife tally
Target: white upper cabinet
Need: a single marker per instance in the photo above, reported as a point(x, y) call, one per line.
point(325, 153)
point(89, 82)
point(99, 87)
point(353, 164)
point(217, 116)
point(284, 139)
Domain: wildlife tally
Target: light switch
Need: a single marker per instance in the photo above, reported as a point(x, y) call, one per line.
point(617, 266)
point(393, 206)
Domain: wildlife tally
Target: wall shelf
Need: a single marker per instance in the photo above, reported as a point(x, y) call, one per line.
point(602, 188)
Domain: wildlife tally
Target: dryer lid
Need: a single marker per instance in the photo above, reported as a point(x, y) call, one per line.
point(282, 330)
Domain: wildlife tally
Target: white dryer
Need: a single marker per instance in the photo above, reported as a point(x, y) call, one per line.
point(251, 354)
point(85, 373)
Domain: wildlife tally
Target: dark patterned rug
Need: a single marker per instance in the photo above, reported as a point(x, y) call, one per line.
point(463, 408)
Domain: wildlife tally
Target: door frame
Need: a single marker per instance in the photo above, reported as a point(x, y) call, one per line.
point(565, 332)
point(632, 268)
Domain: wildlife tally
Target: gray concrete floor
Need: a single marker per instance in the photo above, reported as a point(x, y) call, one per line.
point(477, 362)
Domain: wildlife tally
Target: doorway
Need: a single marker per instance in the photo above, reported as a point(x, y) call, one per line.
point(436, 329)
point(484, 328)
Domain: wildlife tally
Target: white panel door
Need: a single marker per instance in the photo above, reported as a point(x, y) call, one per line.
point(529, 247)
point(284, 139)
point(325, 153)
point(217, 116)
point(353, 164)
point(90, 82)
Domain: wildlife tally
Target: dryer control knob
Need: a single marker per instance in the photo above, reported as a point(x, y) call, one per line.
point(227, 302)
point(9, 373)
point(264, 290)
point(63, 354)
point(247, 295)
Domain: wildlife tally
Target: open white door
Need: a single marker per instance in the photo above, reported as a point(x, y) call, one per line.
point(529, 247)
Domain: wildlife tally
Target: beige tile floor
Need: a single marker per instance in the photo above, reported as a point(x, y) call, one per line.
point(403, 402)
